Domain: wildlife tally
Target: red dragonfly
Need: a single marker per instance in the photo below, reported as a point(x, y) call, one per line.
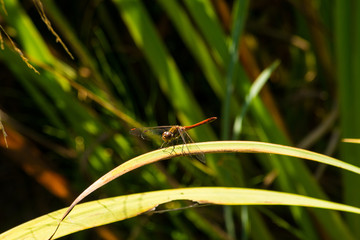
point(172, 135)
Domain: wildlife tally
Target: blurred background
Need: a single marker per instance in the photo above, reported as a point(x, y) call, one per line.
point(76, 76)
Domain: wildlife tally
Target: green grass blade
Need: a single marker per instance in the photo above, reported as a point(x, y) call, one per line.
point(347, 36)
point(253, 92)
point(239, 15)
point(162, 64)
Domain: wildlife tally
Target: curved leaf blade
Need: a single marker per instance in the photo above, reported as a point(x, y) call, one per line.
point(105, 211)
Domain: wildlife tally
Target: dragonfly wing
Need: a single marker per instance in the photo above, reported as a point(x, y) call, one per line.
point(187, 139)
point(149, 132)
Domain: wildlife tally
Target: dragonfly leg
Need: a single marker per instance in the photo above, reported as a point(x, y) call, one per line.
point(166, 147)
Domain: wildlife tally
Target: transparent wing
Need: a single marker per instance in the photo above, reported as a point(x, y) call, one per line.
point(187, 139)
point(149, 133)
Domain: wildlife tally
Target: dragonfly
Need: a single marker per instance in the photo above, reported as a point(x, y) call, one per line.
point(172, 135)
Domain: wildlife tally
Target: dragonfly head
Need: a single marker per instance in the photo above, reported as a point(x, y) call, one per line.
point(167, 136)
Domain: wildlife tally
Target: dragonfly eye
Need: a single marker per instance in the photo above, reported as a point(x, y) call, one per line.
point(167, 136)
